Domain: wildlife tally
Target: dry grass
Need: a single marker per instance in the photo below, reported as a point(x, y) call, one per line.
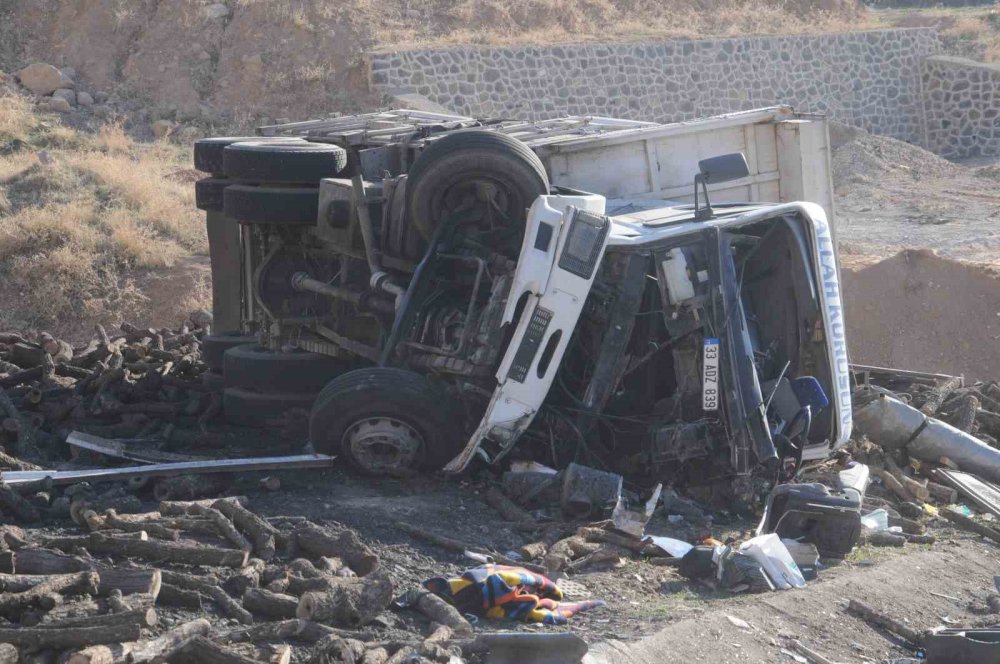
point(426, 23)
point(86, 219)
point(972, 32)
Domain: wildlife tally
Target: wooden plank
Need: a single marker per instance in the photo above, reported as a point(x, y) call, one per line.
point(120, 449)
point(14, 478)
point(984, 494)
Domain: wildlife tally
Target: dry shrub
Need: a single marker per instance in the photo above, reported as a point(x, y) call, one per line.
point(16, 118)
point(90, 233)
point(39, 230)
point(111, 137)
point(140, 184)
point(546, 21)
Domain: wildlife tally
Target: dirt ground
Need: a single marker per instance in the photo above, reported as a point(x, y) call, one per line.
point(654, 614)
point(920, 252)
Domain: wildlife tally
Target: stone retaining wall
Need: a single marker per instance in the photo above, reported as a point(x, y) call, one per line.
point(868, 79)
point(961, 107)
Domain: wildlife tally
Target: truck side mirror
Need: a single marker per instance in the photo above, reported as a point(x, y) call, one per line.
point(723, 168)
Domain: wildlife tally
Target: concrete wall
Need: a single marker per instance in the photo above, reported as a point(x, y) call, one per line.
point(961, 107)
point(868, 79)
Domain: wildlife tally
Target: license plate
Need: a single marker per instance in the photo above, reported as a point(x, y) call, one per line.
point(710, 374)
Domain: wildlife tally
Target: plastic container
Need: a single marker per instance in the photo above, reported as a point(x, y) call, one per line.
point(876, 520)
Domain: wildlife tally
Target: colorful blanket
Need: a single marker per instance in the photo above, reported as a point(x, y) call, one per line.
point(499, 591)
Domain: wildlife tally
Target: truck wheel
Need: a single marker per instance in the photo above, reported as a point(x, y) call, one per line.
point(208, 193)
point(214, 345)
point(288, 206)
point(464, 170)
point(257, 409)
point(283, 161)
point(385, 420)
point(298, 372)
point(208, 151)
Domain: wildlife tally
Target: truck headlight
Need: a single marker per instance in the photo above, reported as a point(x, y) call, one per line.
point(583, 245)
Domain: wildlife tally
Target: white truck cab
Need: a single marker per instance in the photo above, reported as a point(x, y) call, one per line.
point(746, 376)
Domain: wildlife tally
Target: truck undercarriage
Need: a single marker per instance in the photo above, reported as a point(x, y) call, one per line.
point(688, 349)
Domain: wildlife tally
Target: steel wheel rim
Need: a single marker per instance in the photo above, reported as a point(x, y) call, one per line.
point(384, 444)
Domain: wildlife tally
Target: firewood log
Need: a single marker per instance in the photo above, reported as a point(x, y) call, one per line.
point(508, 509)
point(182, 554)
point(346, 546)
point(140, 652)
point(967, 523)
point(261, 533)
point(872, 616)
point(297, 585)
point(937, 395)
point(15, 504)
point(304, 568)
point(13, 537)
point(942, 494)
point(8, 462)
point(180, 507)
point(154, 529)
point(279, 654)
point(272, 605)
point(171, 595)
point(895, 486)
point(8, 654)
point(128, 580)
point(440, 611)
point(224, 525)
point(247, 577)
point(48, 593)
point(18, 583)
point(204, 651)
point(228, 605)
point(882, 538)
point(335, 648)
point(350, 602)
point(143, 617)
point(40, 638)
point(565, 551)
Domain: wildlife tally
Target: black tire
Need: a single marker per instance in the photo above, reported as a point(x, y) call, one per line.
point(208, 193)
point(257, 409)
point(403, 396)
point(213, 346)
point(288, 206)
point(255, 368)
point(401, 239)
point(444, 178)
point(291, 161)
point(208, 151)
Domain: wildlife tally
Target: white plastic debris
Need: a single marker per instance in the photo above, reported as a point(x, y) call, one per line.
point(773, 556)
point(876, 520)
point(675, 547)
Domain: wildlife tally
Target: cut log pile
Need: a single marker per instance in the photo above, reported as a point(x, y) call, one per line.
point(138, 384)
point(248, 589)
point(94, 597)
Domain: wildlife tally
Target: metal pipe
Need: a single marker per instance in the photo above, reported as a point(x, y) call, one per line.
point(303, 282)
point(893, 424)
point(365, 222)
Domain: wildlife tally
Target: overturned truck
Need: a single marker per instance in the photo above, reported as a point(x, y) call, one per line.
point(437, 289)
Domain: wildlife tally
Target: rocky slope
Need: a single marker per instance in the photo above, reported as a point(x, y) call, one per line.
point(188, 59)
